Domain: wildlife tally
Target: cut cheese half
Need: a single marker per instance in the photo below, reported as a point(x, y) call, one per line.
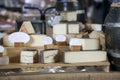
point(84, 56)
point(28, 56)
point(48, 56)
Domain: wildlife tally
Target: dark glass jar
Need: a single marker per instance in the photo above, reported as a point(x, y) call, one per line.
point(112, 31)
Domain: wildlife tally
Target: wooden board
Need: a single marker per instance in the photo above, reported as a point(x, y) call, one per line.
point(64, 76)
point(18, 65)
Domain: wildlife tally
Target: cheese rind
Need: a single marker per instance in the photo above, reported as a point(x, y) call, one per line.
point(84, 56)
point(28, 57)
point(4, 60)
point(6, 42)
point(48, 56)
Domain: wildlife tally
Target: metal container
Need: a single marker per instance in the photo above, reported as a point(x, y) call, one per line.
point(112, 24)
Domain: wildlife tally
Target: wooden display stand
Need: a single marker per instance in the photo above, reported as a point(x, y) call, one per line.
point(104, 65)
point(14, 55)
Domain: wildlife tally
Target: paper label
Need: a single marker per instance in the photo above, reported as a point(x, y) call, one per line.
point(60, 38)
point(48, 40)
point(19, 37)
point(75, 42)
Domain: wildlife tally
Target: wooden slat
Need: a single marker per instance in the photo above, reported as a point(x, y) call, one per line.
point(18, 65)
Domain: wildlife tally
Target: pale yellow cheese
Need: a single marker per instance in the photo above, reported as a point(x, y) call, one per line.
point(49, 56)
point(90, 44)
point(84, 56)
point(36, 40)
point(60, 28)
point(6, 42)
point(73, 28)
point(72, 16)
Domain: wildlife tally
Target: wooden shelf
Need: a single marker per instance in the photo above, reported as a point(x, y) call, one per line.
point(18, 65)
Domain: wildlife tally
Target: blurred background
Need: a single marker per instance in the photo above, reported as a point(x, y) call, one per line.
point(12, 11)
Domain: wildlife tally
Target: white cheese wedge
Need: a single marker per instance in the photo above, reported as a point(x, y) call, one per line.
point(72, 16)
point(73, 28)
point(60, 29)
point(48, 56)
point(4, 60)
point(27, 27)
point(90, 44)
point(28, 57)
point(6, 42)
point(84, 56)
point(36, 40)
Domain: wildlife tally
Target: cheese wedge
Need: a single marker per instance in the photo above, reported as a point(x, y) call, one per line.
point(48, 56)
point(84, 56)
point(27, 27)
point(4, 60)
point(28, 56)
